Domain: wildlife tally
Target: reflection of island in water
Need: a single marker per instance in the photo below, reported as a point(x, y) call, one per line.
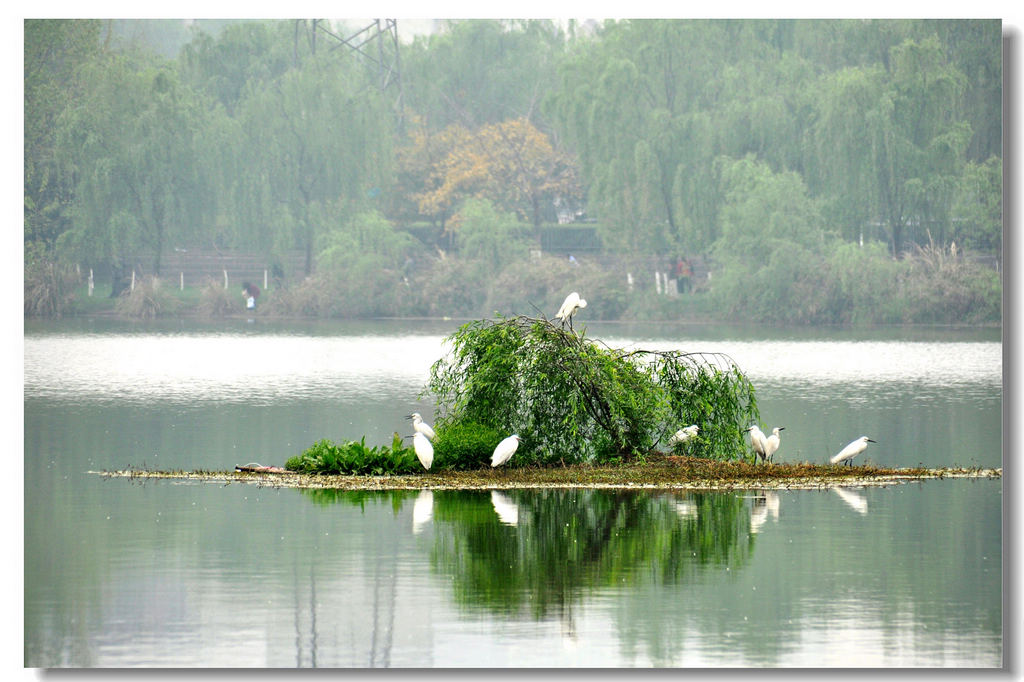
point(535, 552)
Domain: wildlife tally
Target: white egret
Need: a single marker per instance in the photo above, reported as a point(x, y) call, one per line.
point(507, 510)
point(757, 441)
point(570, 305)
point(421, 426)
point(684, 434)
point(852, 450)
point(771, 443)
point(505, 450)
point(424, 450)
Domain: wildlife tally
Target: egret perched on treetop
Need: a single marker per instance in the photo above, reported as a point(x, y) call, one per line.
point(505, 450)
point(852, 450)
point(757, 440)
point(570, 305)
point(421, 426)
point(424, 450)
point(684, 434)
point(771, 443)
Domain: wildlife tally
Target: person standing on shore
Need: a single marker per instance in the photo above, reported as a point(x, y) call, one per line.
point(251, 293)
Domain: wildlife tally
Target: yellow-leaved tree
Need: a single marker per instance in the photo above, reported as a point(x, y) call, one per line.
point(512, 164)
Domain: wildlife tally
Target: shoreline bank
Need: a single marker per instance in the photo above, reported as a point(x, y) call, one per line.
point(640, 477)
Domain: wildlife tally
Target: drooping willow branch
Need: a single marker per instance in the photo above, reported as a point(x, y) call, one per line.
point(570, 397)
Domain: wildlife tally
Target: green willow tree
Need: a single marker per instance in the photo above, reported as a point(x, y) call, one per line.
point(573, 400)
point(652, 104)
point(771, 243)
point(978, 203)
point(919, 141)
point(239, 58)
point(127, 147)
point(488, 236)
point(895, 139)
point(262, 139)
point(480, 72)
point(317, 138)
point(55, 51)
point(878, 119)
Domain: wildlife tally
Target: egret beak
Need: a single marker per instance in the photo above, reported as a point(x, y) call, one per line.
point(872, 441)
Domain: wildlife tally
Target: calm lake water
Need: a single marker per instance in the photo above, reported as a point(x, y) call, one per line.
point(125, 574)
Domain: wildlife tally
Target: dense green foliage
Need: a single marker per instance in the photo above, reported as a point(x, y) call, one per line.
point(765, 147)
point(352, 457)
point(572, 400)
point(465, 445)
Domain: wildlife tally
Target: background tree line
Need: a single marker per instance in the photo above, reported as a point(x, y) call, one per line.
point(826, 167)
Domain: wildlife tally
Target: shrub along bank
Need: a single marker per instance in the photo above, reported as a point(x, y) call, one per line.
point(849, 284)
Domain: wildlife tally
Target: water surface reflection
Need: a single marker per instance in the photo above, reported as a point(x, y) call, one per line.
point(536, 552)
point(162, 574)
point(686, 581)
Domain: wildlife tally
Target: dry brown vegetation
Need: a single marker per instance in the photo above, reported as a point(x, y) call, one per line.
point(664, 472)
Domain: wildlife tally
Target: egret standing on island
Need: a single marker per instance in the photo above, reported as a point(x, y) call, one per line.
point(757, 441)
point(424, 450)
point(771, 443)
point(505, 450)
point(570, 305)
point(421, 426)
point(852, 450)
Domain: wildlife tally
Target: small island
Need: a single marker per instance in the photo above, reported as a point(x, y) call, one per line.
point(586, 415)
point(668, 472)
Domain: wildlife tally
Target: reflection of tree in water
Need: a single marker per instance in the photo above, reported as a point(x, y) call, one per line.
point(567, 541)
point(535, 553)
point(358, 498)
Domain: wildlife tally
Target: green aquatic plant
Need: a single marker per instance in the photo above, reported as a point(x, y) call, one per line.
point(354, 457)
point(573, 400)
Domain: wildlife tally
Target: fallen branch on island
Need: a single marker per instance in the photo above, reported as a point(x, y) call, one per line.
point(669, 472)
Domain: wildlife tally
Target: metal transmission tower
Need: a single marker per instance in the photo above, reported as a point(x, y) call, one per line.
point(376, 44)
